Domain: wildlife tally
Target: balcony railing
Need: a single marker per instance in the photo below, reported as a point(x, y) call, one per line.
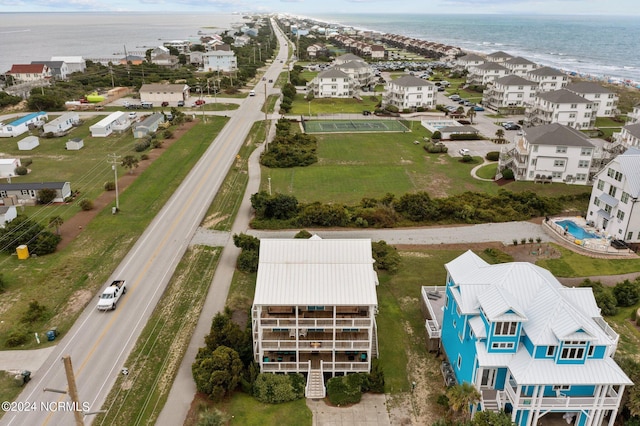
point(316, 322)
point(561, 401)
point(316, 345)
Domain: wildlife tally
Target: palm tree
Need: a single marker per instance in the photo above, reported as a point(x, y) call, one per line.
point(462, 397)
point(56, 221)
point(500, 135)
point(471, 113)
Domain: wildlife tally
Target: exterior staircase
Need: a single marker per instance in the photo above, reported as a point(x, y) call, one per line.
point(489, 400)
point(315, 385)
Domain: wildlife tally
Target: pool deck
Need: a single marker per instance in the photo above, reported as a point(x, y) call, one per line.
point(594, 247)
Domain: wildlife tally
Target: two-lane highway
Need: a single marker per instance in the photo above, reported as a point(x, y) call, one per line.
point(100, 342)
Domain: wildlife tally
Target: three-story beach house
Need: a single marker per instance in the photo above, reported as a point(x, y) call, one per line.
point(409, 92)
point(530, 345)
point(561, 106)
point(314, 308)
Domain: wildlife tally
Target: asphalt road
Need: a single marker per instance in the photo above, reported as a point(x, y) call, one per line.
point(100, 342)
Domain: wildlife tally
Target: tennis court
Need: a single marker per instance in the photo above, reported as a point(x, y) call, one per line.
point(343, 126)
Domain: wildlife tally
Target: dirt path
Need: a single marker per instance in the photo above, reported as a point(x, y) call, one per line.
point(72, 227)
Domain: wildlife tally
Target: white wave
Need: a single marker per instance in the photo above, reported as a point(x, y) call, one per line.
point(15, 31)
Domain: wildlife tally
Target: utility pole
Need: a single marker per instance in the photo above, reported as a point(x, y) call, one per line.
point(113, 84)
point(114, 160)
point(73, 390)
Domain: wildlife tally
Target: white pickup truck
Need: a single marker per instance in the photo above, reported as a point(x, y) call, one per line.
point(109, 298)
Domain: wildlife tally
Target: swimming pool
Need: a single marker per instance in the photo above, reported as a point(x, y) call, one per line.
point(575, 230)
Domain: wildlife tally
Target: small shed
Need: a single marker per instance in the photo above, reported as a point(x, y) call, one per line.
point(28, 143)
point(7, 214)
point(74, 144)
point(148, 125)
point(8, 166)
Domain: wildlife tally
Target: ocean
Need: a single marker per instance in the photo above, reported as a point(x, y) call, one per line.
point(598, 46)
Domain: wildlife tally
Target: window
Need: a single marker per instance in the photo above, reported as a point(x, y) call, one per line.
point(620, 215)
point(561, 387)
point(572, 115)
point(591, 351)
point(583, 163)
point(561, 150)
point(582, 177)
point(502, 345)
point(505, 328)
point(618, 177)
point(556, 175)
point(535, 148)
point(610, 172)
point(601, 185)
point(612, 190)
point(573, 349)
point(459, 363)
point(551, 350)
point(558, 163)
point(630, 236)
point(608, 209)
point(574, 106)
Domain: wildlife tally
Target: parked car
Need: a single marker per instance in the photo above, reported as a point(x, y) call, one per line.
point(464, 151)
point(270, 80)
point(511, 126)
point(133, 116)
point(478, 108)
point(365, 112)
point(164, 104)
point(180, 103)
point(455, 98)
point(199, 102)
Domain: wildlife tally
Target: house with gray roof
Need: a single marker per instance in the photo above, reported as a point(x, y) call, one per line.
point(158, 93)
point(27, 192)
point(548, 78)
point(332, 83)
point(314, 308)
point(634, 116)
point(498, 57)
point(486, 73)
point(59, 69)
point(605, 101)
point(616, 190)
point(409, 92)
point(469, 60)
point(629, 136)
point(511, 91)
point(359, 71)
point(550, 153)
point(519, 65)
point(148, 126)
point(561, 106)
point(347, 57)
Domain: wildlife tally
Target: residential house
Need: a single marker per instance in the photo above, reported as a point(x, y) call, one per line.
point(27, 192)
point(605, 101)
point(62, 123)
point(28, 143)
point(316, 50)
point(409, 92)
point(7, 214)
point(548, 79)
point(220, 60)
point(550, 153)
point(348, 57)
point(634, 116)
point(59, 70)
point(332, 83)
point(629, 135)
point(8, 167)
point(509, 92)
point(519, 66)
point(114, 122)
point(166, 60)
point(499, 57)
point(22, 73)
point(159, 50)
point(182, 46)
point(23, 124)
point(615, 193)
point(377, 51)
point(469, 60)
point(486, 73)
point(74, 63)
point(239, 41)
point(196, 58)
point(158, 93)
point(314, 308)
point(561, 106)
point(360, 72)
point(528, 344)
point(132, 60)
point(148, 125)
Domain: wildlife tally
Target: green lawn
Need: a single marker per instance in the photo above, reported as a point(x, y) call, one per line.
point(217, 105)
point(572, 264)
point(333, 105)
point(248, 411)
point(353, 166)
point(488, 171)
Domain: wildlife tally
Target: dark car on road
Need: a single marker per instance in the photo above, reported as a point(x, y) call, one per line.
point(180, 103)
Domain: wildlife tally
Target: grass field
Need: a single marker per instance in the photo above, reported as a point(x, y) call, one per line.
point(488, 171)
point(347, 126)
point(357, 165)
point(333, 106)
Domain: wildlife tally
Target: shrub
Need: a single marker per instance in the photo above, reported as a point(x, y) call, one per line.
point(156, 143)
point(345, 389)
point(248, 261)
point(86, 204)
point(392, 108)
point(376, 377)
point(466, 158)
point(492, 156)
point(435, 148)
point(507, 174)
point(26, 162)
point(303, 234)
point(538, 240)
point(34, 313)
point(530, 240)
point(386, 256)
point(21, 170)
point(605, 299)
point(627, 293)
point(17, 336)
point(143, 145)
point(109, 186)
point(167, 134)
point(523, 241)
point(3, 284)
point(515, 242)
point(464, 136)
point(498, 256)
point(46, 196)
point(144, 157)
point(278, 388)
point(436, 135)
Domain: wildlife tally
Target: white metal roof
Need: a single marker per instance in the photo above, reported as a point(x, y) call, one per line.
point(114, 116)
point(316, 272)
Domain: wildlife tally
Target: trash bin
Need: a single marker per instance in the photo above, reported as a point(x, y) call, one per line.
point(26, 376)
point(52, 334)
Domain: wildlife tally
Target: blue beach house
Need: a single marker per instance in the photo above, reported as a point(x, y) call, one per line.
point(531, 346)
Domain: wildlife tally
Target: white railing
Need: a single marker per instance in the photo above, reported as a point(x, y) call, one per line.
point(323, 345)
point(564, 402)
point(316, 322)
point(354, 367)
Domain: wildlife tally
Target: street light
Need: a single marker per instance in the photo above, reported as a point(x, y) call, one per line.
point(309, 108)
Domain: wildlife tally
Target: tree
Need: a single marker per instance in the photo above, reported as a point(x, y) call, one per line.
point(471, 113)
point(129, 162)
point(605, 299)
point(627, 293)
point(217, 373)
point(500, 134)
point(246, 242)
point(462, 397)
point(45, 195)
point(56, 222)
point(23, 230)
point(490, 418)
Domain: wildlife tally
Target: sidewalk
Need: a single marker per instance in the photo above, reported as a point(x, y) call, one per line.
point(30, 360)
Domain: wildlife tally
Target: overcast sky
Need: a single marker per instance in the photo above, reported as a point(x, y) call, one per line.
point(310, 7)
